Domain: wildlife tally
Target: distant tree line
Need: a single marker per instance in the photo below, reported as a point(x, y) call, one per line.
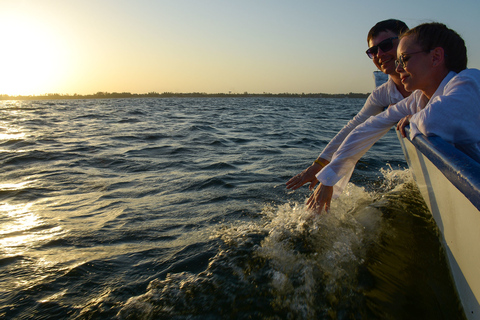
point(123, 95)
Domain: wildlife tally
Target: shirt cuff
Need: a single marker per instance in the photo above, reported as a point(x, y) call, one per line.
point(328, 177)
point(326, 156)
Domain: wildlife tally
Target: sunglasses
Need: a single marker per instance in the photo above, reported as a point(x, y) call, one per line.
point(402, 60)
point(385, 45)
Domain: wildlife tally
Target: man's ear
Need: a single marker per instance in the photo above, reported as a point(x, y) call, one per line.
point(438, 56)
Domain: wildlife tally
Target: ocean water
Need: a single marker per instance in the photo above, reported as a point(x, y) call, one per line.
point(177, 209)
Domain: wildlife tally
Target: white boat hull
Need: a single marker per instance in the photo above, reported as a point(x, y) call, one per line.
point(449, 181)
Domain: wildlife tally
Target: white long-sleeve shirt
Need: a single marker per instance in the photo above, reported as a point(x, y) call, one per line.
point(453, 113)
point(381, 97)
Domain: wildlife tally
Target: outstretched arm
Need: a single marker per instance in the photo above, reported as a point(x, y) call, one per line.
point(353, 148)
point(380, 97)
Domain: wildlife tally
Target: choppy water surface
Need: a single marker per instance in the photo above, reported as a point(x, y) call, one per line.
point(177, 209)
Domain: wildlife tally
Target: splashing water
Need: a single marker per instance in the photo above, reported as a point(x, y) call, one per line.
point(287, 264)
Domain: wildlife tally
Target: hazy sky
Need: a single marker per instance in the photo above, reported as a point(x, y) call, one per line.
point(139, 46)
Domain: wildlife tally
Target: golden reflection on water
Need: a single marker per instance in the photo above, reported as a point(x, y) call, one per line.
point(14, 186)
point(7, 132)
point(21, 228)
point(12, 136)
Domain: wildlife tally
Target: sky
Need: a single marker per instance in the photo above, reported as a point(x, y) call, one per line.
point(211, 46)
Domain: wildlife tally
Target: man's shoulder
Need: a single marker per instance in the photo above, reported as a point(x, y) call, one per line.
point(386, 94)
point(469, 77)
point(471, 73)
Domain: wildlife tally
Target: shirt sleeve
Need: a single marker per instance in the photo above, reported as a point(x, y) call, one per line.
point(359, 142)
point(453, 115)
point(376, 102)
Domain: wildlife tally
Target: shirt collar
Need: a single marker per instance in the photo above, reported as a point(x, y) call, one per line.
point(442, 85)
point(425, 101)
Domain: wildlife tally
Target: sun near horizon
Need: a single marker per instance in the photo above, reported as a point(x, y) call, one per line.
point(77, 48)
point(32, 59)
point(85, 47)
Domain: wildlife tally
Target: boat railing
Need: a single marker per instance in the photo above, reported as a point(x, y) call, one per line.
point(461, 170)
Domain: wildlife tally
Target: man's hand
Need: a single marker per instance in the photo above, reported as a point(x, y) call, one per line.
point(320, 199)
point(307, 175)
point(402, 124)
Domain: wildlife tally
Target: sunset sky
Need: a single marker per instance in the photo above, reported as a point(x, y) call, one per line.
point(212, 46)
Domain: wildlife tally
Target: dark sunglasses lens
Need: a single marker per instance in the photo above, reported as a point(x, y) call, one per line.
point(371, 52)
point(386, 45)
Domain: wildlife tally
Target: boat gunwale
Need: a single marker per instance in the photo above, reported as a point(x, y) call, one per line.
point(461, 170)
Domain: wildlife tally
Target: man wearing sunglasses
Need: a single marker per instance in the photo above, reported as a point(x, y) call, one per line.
point(432, 63)
point(383, 41)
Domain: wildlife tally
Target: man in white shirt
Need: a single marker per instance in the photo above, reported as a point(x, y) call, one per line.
point(383, 41)
point(432, 61)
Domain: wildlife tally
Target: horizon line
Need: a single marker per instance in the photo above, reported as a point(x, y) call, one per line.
point(109, 95)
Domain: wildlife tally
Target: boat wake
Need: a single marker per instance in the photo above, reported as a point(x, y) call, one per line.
point(289, 263)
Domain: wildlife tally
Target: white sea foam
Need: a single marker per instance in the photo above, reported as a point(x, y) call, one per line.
point(310, 260)
point(314, 255)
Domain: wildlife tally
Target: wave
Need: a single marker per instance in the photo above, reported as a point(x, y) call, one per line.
point(292, 264)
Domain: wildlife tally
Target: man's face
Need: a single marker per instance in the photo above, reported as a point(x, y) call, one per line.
point(385, 61)
point(416, 72)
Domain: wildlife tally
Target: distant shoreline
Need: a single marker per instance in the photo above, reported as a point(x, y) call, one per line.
point(124, 95)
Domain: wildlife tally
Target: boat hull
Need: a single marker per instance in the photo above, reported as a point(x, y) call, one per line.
point(449, 181)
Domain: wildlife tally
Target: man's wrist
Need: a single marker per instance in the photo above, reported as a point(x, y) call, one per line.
point(321, 162)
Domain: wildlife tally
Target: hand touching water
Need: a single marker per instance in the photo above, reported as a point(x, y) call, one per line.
point(320, 199)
